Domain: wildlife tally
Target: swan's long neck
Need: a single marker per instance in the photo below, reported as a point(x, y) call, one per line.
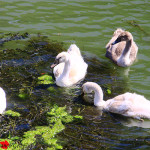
point(124, 59)
point(98, 97)
point(66, 70)
point(127, 49)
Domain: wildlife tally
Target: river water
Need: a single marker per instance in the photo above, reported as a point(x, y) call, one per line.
point(90, 25)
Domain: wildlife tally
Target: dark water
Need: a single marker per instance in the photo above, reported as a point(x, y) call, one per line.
point(89, 24)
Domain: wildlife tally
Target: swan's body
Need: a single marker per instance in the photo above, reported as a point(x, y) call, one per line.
point(127, 104)
point(2, 100)
point(74, 51)
point(121, 49)
point(74, 69)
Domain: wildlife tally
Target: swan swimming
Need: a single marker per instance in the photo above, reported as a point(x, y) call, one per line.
point(2, 100)
point(74, 51)
point(127, 104)
point(121, 49)
point(74, 69)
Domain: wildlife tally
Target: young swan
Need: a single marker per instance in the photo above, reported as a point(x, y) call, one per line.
point(127, 104)
point(2, 100)
point(74, 69)
point(121, 49)
point(74, 51)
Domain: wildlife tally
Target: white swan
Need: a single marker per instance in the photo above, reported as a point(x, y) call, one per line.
point(121, 49)
point(2, 100)
point(74, 69)
point(127, 104)
point(72, 50)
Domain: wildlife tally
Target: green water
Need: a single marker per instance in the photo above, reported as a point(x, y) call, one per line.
point(90, 25)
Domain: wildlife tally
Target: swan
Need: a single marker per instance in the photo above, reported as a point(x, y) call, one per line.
point(74, 69)
point(127, 104)
point(2, 100)
point(73, 50)
point(122, 49)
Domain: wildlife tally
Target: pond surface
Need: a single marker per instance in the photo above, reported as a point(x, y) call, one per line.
point(90, 25)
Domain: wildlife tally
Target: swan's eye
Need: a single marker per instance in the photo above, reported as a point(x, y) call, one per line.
point(59, 59)
point(123, 38)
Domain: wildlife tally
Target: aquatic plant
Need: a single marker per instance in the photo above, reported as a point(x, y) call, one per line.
point(12, 113)
point(42, 136)
point(45, 79)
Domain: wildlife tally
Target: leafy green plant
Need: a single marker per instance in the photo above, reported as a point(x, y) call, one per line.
point(12, 113)
point(43, 136)
point(45, 79)
point(108, 91)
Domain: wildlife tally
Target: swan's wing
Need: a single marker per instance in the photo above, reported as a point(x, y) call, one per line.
point(118, 107)
point(120, 104)
point(134, 50)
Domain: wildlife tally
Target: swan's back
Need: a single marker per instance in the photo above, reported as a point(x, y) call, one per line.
point(78, 68)
point(74, 50)
point(130, 104)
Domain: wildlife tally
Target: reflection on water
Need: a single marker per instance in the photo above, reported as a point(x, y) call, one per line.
point(90, 25)
point(129, 122)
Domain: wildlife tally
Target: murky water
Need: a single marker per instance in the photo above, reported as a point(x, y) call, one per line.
point(89, 24)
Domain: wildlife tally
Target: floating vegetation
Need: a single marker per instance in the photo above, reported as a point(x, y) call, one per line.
point(108, 91)
point(42, 44)
point(45, 79)
point(35, 45)
point(12, 113)
point(12, 36)
point(42, 137)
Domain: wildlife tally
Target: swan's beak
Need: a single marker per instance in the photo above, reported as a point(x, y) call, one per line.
point(116, 41)
point(56, 62)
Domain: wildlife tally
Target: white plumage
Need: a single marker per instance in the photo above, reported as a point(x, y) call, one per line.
point(2, 100)
point(127, 104)
point(72, 50)
point(74, 68)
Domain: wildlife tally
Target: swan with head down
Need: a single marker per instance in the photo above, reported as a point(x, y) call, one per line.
point(127, 104)
point(72, 50)
point(2, 100)
point(121, 49)
point(74, 69)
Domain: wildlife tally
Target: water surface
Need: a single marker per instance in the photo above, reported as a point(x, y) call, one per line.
point(90, 25)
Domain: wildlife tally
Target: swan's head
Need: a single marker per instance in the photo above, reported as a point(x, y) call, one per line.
point(2, 100)
point(73, 49)
point(89, 87)
point(118, 31)
point(124, 36)
point(61, 57)
point(86, 87)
